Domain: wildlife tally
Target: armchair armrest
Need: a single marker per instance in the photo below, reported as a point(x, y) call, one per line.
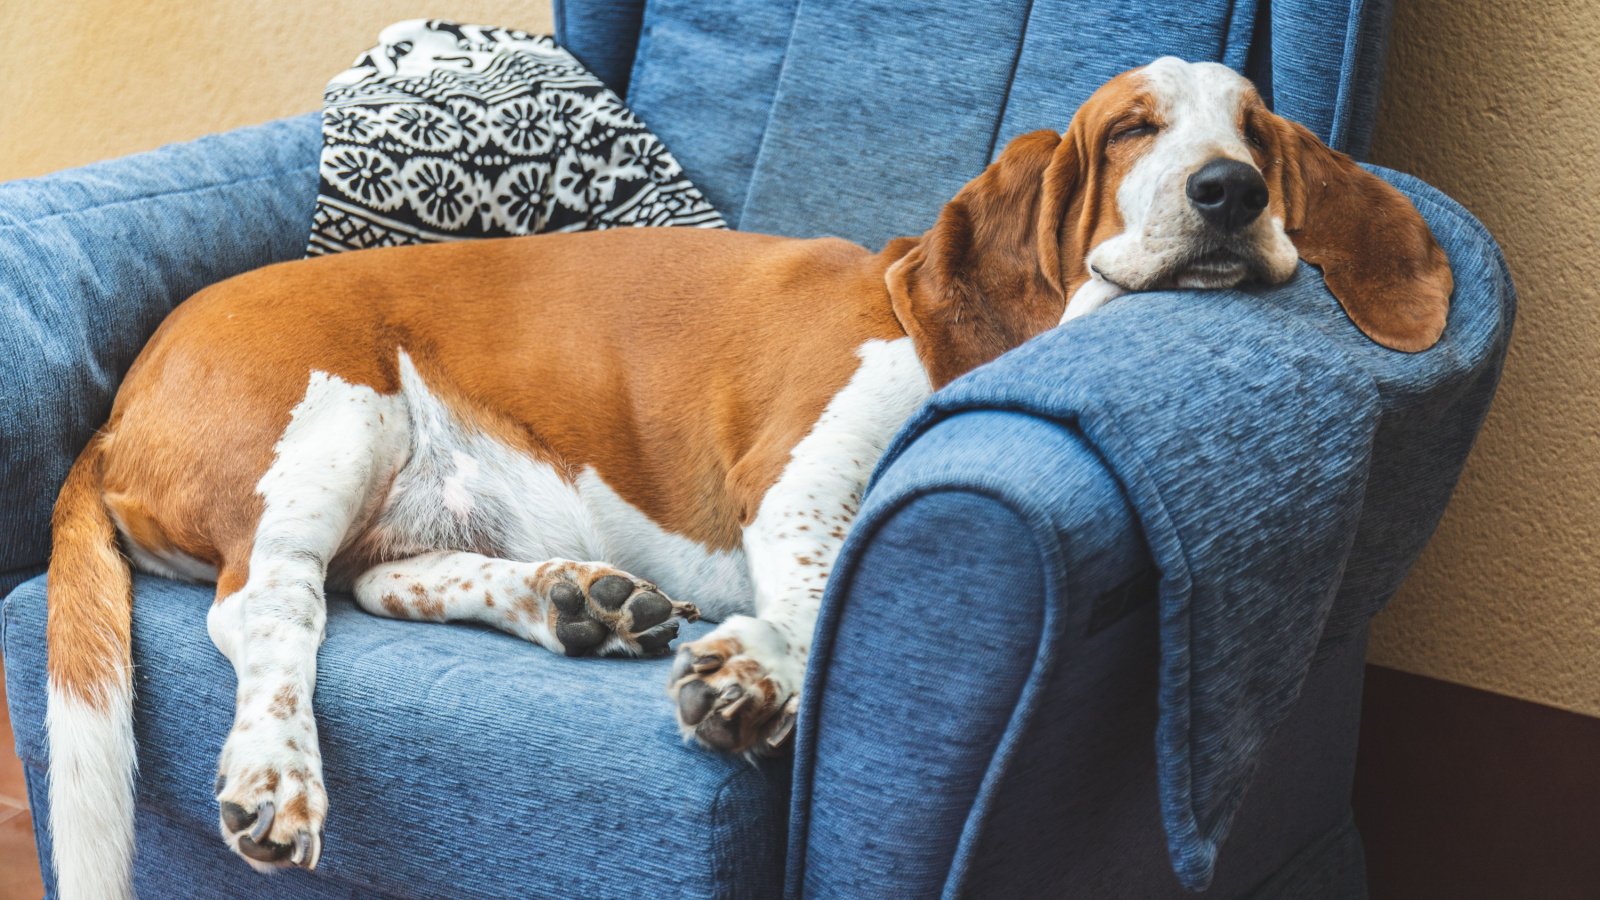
point(983, 659)
point(92, 259)
point(943, 641)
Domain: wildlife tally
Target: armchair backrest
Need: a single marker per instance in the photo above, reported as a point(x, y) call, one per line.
point(860, 118)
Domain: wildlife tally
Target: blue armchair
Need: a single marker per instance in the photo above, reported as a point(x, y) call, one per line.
point(981, 712)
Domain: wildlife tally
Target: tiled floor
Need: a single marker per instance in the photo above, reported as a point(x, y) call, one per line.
point(19, 869)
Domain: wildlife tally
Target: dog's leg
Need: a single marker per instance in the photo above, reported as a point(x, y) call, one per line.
point(576, 608)
point(737, 689)
point(342, 444)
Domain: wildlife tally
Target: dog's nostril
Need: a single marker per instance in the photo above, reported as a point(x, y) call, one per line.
point(1207, 192)
point(1228, 194)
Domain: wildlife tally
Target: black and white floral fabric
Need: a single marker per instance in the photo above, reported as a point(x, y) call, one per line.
point(447, 131)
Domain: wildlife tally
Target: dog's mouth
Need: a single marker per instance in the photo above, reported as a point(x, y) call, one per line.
point(1216, 268)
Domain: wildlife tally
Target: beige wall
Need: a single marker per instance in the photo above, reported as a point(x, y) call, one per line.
point(82, 80)
point(1498, 103)
point(1492, 100)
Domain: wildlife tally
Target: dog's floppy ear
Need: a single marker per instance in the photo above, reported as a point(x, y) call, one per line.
point(987, 276)
point(1375, 251)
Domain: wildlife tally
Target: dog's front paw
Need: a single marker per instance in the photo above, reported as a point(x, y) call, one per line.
point(738, 688)
point(270, 798)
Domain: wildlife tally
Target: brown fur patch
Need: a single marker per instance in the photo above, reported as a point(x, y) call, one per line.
point(1376, 252)
point(1006, 253)
point(430, 607)
point(90, 608)
point(284, 702)
point(296, 809)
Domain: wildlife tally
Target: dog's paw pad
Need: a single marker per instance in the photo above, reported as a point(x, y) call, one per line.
point(601, 610)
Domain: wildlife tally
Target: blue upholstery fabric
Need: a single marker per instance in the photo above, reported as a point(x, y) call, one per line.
point(91, 261)
point(1244, 457)
point(1013, 731)
point(704, 79)
point(900, 104)
point(1320, 62)
point(455, 757)
point(603, 35)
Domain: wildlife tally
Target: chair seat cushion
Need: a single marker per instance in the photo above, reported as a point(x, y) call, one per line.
point(459, 761)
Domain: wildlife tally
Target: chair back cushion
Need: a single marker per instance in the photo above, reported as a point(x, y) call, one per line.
point(861, 118)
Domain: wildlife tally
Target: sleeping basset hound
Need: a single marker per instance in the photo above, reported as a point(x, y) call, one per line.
point(570, 436)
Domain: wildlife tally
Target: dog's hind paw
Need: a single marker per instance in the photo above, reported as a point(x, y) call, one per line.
point(270, 798)
point(596, 609)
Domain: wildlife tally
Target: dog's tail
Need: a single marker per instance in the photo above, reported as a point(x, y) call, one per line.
point(90, 714)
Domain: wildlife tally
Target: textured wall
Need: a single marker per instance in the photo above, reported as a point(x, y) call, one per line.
point(82, 80)
point(1494, 101)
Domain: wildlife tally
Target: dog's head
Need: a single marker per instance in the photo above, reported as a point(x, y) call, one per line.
point(1173, 175)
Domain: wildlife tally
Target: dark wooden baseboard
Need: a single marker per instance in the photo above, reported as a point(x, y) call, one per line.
point(1463, 794)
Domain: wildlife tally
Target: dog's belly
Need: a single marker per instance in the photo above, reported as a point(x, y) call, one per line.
point(459, 488)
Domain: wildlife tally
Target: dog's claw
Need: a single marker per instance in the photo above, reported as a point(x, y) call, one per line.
point(264, 815)
point(782, 731)
point(732, 697)
point(307, 848)
point(746, 673)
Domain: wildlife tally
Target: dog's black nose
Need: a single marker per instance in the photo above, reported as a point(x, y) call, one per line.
point(1227, 193)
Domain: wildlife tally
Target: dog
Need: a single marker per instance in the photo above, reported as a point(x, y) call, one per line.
point(569, 436)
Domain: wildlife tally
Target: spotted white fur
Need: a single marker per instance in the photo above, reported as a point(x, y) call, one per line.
point(342, 443)
point(448, 485)
point(803, 518)
point(453, 586)
point(1198, 104)
point(515, 597)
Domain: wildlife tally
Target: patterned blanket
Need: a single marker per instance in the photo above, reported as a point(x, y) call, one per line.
point(446, 131)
